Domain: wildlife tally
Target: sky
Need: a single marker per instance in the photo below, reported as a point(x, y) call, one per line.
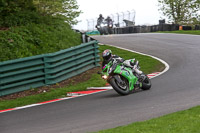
point(146, 10)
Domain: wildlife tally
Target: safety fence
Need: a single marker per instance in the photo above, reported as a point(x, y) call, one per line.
point(120, 19)
point(36, 71)
point(152, 28)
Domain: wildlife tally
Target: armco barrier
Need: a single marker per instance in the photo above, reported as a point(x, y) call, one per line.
point(36, 71)
point(146, 29)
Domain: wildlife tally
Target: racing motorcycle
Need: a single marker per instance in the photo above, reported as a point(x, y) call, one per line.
point(123, 79)
point(102, 28)
point(105, 27)
point(110, 27)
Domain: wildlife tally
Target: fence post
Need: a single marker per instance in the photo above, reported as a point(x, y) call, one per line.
point(118, 19)
point(83, 38)
point(96, 53)
point(88, 39)
point(46, 66)
point(88, 24)
point(45, 69)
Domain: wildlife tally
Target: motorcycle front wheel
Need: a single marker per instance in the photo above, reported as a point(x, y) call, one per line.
point(100, 31)
point(120, 89)
point(146, 84)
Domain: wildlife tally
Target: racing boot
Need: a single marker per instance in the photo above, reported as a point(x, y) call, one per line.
point(141, 75)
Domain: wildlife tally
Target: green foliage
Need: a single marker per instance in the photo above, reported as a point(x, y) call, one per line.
point(12, 6)
point(32, 27)
point(50, 35)
point(20, 18)
point(21, 12)
point(9, 8)
point(181, 11)
point(66, 8)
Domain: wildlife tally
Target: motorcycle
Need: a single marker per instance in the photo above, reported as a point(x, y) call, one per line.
point(110, 27)
point(123, 79)
point(105, 28)
point(102, 28)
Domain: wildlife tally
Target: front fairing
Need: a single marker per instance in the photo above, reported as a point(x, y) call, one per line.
point(128, 74)
point(106, 68)
point(121, 70)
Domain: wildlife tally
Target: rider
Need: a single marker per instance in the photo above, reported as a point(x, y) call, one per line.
point(108, 56)
point(108, 20)
point(99, 20)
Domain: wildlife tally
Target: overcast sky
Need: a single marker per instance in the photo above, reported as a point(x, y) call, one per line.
point(146, 10)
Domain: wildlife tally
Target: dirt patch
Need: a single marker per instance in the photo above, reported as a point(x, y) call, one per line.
point(72, 81)
point(4, 28)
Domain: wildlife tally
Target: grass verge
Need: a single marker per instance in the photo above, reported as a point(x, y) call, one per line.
point(187, 121)
point(193, 32)
point(33, 39)
point(52, 94)
point(148, 65)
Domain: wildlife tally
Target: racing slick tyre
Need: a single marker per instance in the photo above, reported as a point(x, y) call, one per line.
point(146, 84)
point(120, 89)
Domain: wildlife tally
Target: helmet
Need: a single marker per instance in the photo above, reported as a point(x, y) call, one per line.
point(100, 15)
point(107, 54)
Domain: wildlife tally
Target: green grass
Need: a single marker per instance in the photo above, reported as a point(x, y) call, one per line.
point(148, 65)
point(53, 94)
point(193, 32)
point(187, 121)
point(49, 35)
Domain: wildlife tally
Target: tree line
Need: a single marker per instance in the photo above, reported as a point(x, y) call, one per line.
point(181, 11)
point(68, 9)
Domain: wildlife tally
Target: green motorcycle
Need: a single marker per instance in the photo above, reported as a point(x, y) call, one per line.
point(123, 79)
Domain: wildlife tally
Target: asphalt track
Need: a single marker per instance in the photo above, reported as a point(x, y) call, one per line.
point(175, 90)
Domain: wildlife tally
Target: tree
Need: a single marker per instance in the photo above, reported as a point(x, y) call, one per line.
point(180, 11)
point(71, 11)
point(66, 8)
point(10, 9)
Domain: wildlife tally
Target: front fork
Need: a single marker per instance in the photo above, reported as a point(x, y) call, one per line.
point(119, 80)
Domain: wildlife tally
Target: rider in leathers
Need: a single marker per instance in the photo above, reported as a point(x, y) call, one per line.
point(108, 20)
point(108, 56)
point(99, 20)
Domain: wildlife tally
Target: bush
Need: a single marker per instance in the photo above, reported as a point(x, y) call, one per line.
point(19, 18)
point(46, 35)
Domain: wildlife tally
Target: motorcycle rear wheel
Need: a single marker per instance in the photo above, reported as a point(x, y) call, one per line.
point(119, 89)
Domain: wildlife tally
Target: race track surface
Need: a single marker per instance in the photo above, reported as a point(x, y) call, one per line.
point(175, 90)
